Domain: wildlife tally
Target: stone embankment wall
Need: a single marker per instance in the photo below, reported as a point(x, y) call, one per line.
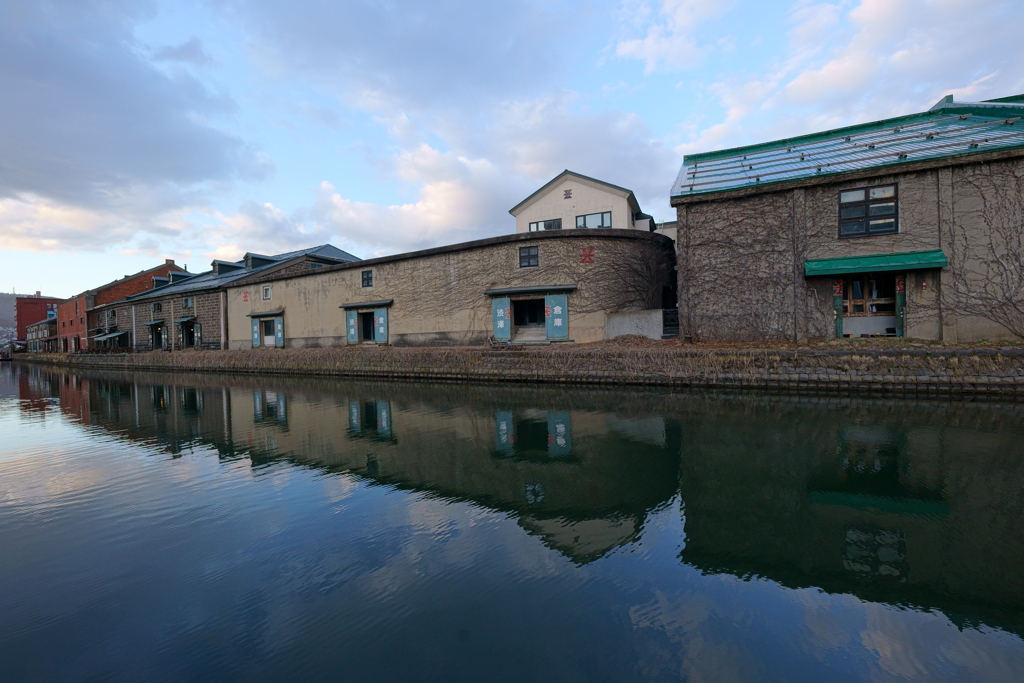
point(993, 372)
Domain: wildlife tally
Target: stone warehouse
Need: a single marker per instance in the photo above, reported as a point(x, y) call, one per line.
point(188, 311)
point(911, 226)
point(528, 287)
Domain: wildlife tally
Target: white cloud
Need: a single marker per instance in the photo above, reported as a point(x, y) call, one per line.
point(873, 60)
point(670, 42)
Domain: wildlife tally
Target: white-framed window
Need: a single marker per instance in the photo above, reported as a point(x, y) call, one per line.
point(553, 224)
point(595, 220)
point(187, 302)
point(266, 292)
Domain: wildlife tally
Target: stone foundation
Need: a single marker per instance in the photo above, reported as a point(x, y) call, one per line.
point(943, 373)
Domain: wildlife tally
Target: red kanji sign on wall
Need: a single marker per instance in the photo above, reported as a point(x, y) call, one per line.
point(245, 296)
point(837, 288)
point(587, 254)
point(901, 283)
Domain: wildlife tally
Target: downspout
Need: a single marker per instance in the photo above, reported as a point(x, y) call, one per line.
point(223, 321)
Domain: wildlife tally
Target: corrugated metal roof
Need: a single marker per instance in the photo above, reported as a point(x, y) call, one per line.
point(948, 129)
point(211, 280)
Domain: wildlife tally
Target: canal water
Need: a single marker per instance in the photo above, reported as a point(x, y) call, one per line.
point(225, 528)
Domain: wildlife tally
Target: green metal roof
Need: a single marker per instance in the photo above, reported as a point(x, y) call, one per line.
point(914, 260)
point(946, 130)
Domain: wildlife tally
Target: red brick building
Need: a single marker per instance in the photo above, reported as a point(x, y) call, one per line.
point(73, 323)
point(32, 309)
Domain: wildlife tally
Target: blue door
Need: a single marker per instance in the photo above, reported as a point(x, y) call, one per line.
point(501, 314)
point(279, 332)
point(380, 325)
point(255, 332)
point(352, 326)
point(556, 316)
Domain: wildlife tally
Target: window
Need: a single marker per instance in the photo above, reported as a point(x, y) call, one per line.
point(266, 293)
point(553, 224)
point(316, 266)
point(156, 308)
point(367, 278)
point(528, 257)
point(595, 220)
point(186, 303)
point(111, 314)
point(868, 211)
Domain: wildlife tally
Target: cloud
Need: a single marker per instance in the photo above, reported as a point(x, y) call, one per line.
point(93, 137)
point(463, 192)
point(411, 55)
point(190, 52)
point(865, 62)
point(670, 42)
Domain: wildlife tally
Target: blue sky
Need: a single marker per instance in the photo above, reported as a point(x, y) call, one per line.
point(137, 130)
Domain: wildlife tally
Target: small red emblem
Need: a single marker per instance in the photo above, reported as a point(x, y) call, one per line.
point(587, 254)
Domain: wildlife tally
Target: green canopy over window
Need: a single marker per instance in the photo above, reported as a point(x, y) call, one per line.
point(914, 260)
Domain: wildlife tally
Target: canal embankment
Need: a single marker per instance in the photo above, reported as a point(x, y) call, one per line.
point(997, 371)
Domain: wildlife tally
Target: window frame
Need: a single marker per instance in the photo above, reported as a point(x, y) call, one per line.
point(602, 214)
point(188, 302)
point(866, 218)
point(541, 226)
point(157, 307)
point(367, 278)
point(268, 292)
point(529, 257)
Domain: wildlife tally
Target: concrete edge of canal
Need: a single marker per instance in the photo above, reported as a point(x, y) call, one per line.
point(940, 373)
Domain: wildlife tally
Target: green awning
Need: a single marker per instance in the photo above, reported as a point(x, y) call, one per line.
point(913, 260)
point(185, 320)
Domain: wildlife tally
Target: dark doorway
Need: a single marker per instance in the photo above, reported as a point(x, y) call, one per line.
point(188, 335)
point(158, 336)
point(528, 312)
point(366, 325)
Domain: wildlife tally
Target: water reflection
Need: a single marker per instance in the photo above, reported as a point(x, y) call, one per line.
point(839, 509)
point(910, 504)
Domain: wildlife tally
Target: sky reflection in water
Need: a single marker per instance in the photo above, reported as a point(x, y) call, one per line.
point(184, 527)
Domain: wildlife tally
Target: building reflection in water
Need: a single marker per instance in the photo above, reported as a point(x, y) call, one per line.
point(918, 504)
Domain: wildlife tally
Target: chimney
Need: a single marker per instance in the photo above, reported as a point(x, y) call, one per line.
point(38, 294)
point(169, 261)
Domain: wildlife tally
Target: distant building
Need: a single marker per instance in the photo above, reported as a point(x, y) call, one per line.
point(188, 311)
point(42, 336)
point(31, 309)
point(570, 201)
point(73, 315)
point(907, 227)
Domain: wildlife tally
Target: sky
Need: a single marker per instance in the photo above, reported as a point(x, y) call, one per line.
point(137, 130)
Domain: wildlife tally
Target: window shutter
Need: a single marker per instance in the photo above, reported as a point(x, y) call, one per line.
point(501, 314)
point(352, 325)
point(355, 417)
point(556, 316)
point(279, 332)
point(380, 325)
point(255, 332)
point(384, 418)
point(199, 335)
point(504, 437)
point(559, 434)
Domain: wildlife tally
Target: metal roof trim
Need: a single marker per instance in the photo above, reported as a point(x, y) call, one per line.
point(877, 263)
point(535, 289)
point(265, 314)
point(155, 322)
point(368, 304)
